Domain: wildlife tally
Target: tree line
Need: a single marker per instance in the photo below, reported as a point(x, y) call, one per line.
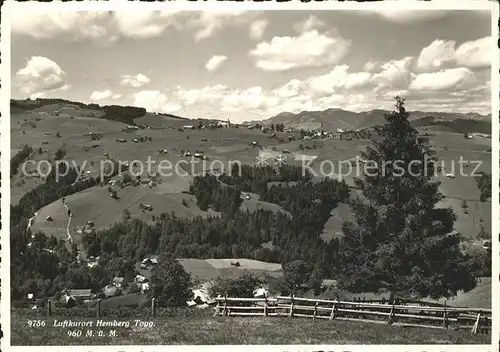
point(123, 114)
point(19, 158)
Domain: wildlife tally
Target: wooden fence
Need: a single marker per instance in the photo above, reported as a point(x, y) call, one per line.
point(473, 319)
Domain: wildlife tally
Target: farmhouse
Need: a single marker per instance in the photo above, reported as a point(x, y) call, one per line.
point(487, 244)
point(110, 291)
point(148, 263)
point(77, 295)
point(260, 292)
point(139, 279)
point(201, 295)
point(145, 206)
point(144, 287)
point(92, 262)
point(118, 281)
point(142, 283)
point(188, 127)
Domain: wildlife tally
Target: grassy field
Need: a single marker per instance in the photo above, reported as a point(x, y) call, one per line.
point(479, 297)
point(207, 269)
point(468, 223)
point(203, 330)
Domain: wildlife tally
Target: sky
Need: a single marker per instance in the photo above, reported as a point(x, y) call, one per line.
point(252, 65)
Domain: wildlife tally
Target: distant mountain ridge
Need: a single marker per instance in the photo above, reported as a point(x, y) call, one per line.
point(330, 119)
point(333, 119)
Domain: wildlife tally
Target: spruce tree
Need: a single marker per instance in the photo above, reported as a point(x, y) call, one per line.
point(400, 242)
point(171, 283)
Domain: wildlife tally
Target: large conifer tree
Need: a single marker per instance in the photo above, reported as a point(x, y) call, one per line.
point(400, 242)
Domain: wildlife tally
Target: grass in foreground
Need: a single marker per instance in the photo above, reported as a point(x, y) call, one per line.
point(236, 331)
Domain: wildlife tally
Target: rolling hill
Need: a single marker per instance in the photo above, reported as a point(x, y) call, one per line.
point(32, 120)
point(332, 119)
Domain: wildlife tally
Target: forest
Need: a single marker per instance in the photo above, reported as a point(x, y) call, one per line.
point(234, 234)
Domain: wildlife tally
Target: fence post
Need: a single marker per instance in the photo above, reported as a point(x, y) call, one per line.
point(98, 310)
point(445, 317)
point(315, 310)
point(226, 313)
point(49, 308)
point(332, 314)
point(265, 305)
point(475, 328)
point(153, 307)
point(291, 306)
point(391, 315)
point(217, 307)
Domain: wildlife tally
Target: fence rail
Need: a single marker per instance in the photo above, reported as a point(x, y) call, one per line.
point(408, 315)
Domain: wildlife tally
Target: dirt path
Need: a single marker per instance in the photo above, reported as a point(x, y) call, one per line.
point(31, 220)
point(70, 215)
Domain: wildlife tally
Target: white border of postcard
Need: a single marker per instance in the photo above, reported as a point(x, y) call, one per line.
point(122, 5)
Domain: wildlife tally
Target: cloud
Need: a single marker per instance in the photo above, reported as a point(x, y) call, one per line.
point(109, 27)
point(457, 89)
point(443, 80)
point(248, 99)
point(154, 100)
point(337, 79)
point(116, 96)
point(436, 54)
point(309, 49)
point(290, 89)
point(473, 54)
point(215, 62)
point(100, 95)
point(394, 74)
point(50, 24)
point(207, 23)
point(311, 23)
point(208, 94)
point(97, 27)
point(371, 66)
point(407, 16)
point(141, 25)
point(257, 29)
point(476, 54)
point(134, 81)
point(70, 26)
point(40, 75)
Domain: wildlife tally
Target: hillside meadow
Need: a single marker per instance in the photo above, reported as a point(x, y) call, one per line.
point(206, 330)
